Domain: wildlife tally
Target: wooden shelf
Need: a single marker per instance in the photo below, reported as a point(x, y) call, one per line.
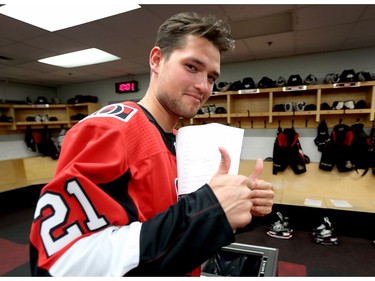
point(20, 113)
point(255, 110)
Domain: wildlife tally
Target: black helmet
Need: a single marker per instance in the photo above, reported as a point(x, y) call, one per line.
point(332, 78)
point(224, 86)
point(248, 83)
point(41, 100)
point(235, 86)
point(310, 80)
point(294, 80)
point(363, 76)
point(348, 75)
point(220, 110)
point(281, 81)
point(266, 82)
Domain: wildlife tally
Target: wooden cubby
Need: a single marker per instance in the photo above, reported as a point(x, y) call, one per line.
point(62, 112)
point(256, 108)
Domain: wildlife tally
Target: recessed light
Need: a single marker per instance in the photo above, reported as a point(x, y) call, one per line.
point(55, 15)
point(80, 58)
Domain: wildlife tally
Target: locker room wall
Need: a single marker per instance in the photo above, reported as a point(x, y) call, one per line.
point(258, 143)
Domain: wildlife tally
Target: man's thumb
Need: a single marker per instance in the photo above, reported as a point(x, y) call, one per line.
point(224, 162)
point(258, 169)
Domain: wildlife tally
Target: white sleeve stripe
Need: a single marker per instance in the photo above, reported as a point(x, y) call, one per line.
point(111, 252)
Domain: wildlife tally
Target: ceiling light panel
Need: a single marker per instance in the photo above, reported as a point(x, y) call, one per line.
point(80, 58)
point(57, 15)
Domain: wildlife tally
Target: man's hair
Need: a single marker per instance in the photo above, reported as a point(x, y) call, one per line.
point(173, 32)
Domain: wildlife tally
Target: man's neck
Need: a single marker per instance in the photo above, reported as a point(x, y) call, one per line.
point(165, 120)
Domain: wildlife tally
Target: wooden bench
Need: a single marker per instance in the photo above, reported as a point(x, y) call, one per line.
point(315, 188)
point(23, 172)
point(332, 190)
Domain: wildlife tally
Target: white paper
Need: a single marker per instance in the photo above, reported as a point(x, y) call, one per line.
point(341, 203)
point(198, 155)
point(313, 203)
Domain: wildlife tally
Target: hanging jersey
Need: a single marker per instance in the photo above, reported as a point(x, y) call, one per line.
point(339, 150)
point(361, 145)
point(323, 138)
point(372, 150)
point(288, 151)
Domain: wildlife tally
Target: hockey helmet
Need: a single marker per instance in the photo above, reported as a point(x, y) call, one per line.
point(295, 80)
point(281, 82)
point(310, 80)
point(266, 82)
point(348, 75)
point(332, 78)
point(248, 83)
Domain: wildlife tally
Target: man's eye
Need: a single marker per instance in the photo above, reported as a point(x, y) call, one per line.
point(212, 79)
point(191, 67)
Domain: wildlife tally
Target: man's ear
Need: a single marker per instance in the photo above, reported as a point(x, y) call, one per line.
point(155, 59)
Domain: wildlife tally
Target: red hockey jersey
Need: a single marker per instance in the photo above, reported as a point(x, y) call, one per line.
point(112, 209)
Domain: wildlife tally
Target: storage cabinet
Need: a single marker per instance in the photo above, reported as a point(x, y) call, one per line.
point(44, 114)
point(260, 108)
point(40, 115)
point(356, 93)
point(7, 117)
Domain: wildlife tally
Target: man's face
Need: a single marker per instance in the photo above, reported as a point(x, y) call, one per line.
point(186, 79)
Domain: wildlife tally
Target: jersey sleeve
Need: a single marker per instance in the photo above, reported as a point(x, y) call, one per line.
point(182, 238)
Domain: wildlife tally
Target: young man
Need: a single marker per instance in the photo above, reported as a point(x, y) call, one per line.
point(112, 208)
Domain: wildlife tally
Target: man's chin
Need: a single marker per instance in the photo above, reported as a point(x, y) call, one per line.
point(190, 114)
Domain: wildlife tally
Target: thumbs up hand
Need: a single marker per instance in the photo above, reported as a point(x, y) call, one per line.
point(225, 162)
point(232, 192)
point(262, 193)
point(241, 196)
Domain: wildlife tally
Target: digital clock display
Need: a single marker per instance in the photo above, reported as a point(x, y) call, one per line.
point(126, 87)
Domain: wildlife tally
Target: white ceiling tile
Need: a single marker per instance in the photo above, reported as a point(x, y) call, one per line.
point(326, 15)
point(269, 43)
point(24, 52)
point(241, 53)
point(322, 37)
point(369, 12)
point(55, 43)
point(362, 29)
point(240, 12)
point(16, 30)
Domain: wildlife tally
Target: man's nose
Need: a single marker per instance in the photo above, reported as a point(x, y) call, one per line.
point(202, 83)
